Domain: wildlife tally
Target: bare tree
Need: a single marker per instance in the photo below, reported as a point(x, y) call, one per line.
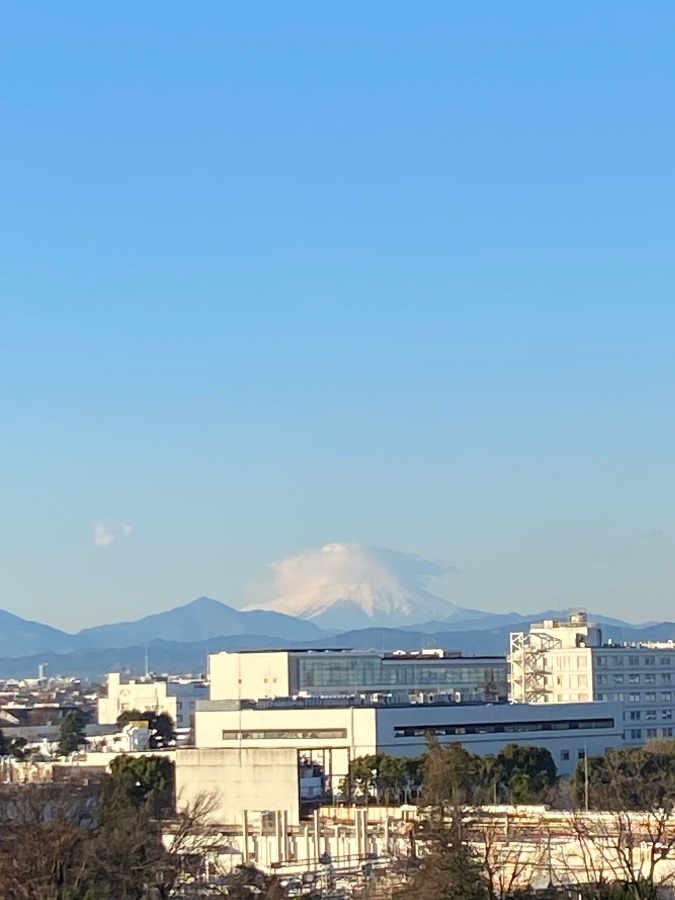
point(508, 865)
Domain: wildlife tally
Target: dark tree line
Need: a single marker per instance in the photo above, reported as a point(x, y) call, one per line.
point(448, 772)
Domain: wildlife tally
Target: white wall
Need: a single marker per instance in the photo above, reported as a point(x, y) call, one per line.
point(239, 779)
point(250, 676)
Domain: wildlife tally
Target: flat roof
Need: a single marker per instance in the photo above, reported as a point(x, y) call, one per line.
point(389, 655)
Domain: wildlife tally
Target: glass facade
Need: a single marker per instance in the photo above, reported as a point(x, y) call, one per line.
point(355, 673)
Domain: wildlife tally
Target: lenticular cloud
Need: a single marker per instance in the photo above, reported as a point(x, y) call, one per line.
point(346, 585)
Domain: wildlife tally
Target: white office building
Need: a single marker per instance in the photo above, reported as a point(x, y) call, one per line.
point(560, 662)
point(402, 676)
point(175, 696)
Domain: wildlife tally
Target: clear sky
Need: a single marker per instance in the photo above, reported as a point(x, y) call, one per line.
point(274, 275)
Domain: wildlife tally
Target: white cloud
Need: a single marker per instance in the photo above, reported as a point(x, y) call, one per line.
point(380, 581)
point(106, 533)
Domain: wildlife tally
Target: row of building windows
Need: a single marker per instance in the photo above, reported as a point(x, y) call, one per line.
point(637, 697)
point(618, 661)
point(404, 731)
point(633, 678)
point(635, 734)
point(287, 735)
point(649, 714)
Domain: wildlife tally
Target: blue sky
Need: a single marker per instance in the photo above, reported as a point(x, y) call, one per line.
point(275, 275)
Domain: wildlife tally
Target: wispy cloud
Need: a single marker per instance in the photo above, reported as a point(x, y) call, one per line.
point(654, 533)
point(106, 533)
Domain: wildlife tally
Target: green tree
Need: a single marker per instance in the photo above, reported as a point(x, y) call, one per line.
point(14, 747)
point(160, 725)
point(449, 775)
point(72, 733)
point(634, 778)
point(142, 782)
point(524, 774)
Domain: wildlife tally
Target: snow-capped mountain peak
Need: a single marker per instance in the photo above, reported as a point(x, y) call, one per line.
point(346, 585)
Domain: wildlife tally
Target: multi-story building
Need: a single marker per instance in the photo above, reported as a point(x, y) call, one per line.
point(401, 676)
point(567, 662)
point(175, 696)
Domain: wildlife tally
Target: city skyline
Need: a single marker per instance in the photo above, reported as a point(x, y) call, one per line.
point(280, 278)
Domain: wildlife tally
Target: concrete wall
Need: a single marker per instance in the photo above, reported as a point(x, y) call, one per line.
point(253, 779)
point(328, 736)
point(250, 676)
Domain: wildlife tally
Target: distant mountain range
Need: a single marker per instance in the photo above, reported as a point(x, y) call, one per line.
point(180, 639)
point(199, 620)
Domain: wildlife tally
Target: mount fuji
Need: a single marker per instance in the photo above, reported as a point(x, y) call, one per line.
point(344, 586)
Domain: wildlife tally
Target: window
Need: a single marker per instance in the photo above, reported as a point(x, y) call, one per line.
point(583, 681)
point(665, 677)
point(601, 679)
point(285, 735)
point(652, 732)
point(664, 660)
point(635, 715)
point(636, 734)
point(602, 662)
point(564, 755)
point(650, 660)
point(666, 732)
point(618, 661)
point(666, 696)
point(666, 714)
point(618, 679)
point(650, 715)
point(634, 678)
point(406, 731)
point(633, 660)
point(650, 677)
point(634, 698)
point(581, 662)
point(581, 754)
point(650, 697)
point(600, 696)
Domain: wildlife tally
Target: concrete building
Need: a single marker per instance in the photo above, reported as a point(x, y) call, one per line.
point(567, 662)
point(332, 733)
point(175, 696)
point(400, 676)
